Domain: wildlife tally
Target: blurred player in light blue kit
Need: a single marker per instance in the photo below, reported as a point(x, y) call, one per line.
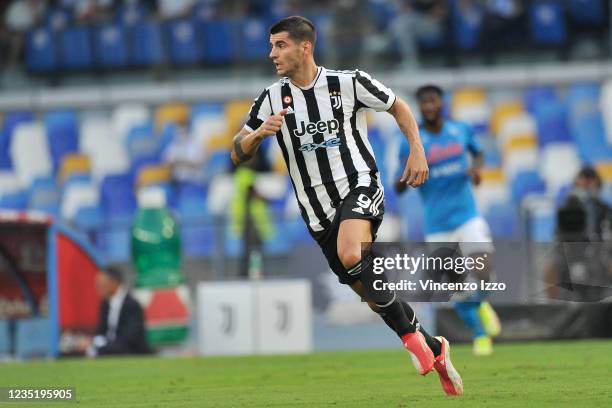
point(450, 208)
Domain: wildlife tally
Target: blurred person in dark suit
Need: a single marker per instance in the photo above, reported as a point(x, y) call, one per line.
point(121, 328)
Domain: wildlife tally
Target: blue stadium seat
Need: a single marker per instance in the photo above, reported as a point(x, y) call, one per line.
point(33, 338)
point(77, 50)
point(526, 182)
point(58, 18)
point(542, 227)
point(146, 44)
point(117, 197)
point(114, 241)
point(131, 13)
point(503, 221)
point(538, 95)
point(111, 46)
point(587, 12)
point(467, 23)
point(590, 137)
point(547, 23)
point(44, 195)
point(14, 201)
point(139, 162)
point(254, 39)
point(141, 141)
point(89, 218)
point(199, 238)
point(280, 243)
point(41, 52)
point(191, 200)
point(551, 118)
point(166, 136)
point(62, 134)
point(583, 91)
point(220, 42)
point(185, 43)
point(218, 162)
point(11, 120)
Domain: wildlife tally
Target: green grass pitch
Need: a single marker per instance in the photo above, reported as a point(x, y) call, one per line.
point(554, 374)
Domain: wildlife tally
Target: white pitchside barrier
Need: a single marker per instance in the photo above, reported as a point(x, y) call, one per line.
point(253, 317)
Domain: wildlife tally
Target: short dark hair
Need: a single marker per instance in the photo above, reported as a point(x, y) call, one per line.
point(299, 29)
point(425, 89)
point(114, 272)
point(590, 173)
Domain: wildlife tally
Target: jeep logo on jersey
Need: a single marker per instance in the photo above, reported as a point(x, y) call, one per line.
point(309, 147)
point(319, 127)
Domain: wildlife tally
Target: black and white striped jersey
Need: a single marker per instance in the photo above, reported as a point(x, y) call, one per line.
point(324, 138)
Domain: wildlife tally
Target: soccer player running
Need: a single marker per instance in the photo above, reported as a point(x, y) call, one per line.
point(450, 208)
point(318, 118)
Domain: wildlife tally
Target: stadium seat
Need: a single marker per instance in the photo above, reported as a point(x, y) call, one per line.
point(235, 114)
point(492, 175)
point(583, 91)
point(220, 40)
point(171, 113)
point(217, 162)
point(471, 105)
point(127, 116)
point(141, 141)
point(117, 197)
point(62, 134)
point(58, 18)
point(191, 200)
point(153, 174)
point(604, 168)
point(552, 123)
point(9, 182)
point(587, 12)
point(559, 164)
point(41, 52)
point(220, 193)
point(589, 134)
point(521, 126)
point(131, 13)
point(30, 152)
point(111, 49)
point(108, 154)
point(208, 121)
point(140, 162)
point(504, 111)
point(542, 221)
point(77, 196)
point(517, 160)
point(146, 44)
point(11, 120)
point(199, 237)
point(184, 42)
point(503, 221)
point(77, 50)
point(467, 25)
point(89, 218)
point(44, 195)
point(254, 39)
point(114, 241)
point(525, 183)
point(547, 23)
point(32, 338)
point(15, 200)
point(74, 164)
point(536, 96)
point(606, 108)
point(491, 192)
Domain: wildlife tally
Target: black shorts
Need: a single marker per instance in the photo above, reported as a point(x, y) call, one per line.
point(363, 203)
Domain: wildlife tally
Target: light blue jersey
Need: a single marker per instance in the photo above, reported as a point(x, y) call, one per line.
point(447, 195)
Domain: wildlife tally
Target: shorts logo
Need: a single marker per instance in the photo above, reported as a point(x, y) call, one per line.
point(309, 147)
point(336, 99)
point(287, 100)
point(369, 205)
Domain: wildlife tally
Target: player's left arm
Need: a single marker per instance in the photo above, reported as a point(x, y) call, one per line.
point(416, 170)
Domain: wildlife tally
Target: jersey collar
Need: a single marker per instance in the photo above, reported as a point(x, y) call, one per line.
point(314, 81)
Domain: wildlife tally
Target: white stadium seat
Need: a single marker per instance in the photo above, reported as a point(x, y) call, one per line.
point(9, 183)
point(78, 196)
point(108, 154)
point(559, 164)
point(606, 108)
point(127, 116)
point(220, 193)
point(520, 159)
point(30, 152)
point(519, 125)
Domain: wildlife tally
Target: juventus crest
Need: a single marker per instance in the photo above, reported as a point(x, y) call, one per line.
point(336, 99)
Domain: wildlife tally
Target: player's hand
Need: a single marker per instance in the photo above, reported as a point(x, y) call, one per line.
point(474, 174)
point(416, 171)
point(272, 124)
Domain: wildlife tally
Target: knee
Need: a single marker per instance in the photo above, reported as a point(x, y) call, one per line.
point(349, 254)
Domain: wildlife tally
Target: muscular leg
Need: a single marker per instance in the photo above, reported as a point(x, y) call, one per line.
point(398, 315)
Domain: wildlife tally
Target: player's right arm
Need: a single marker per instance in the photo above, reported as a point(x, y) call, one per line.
point(246, 142)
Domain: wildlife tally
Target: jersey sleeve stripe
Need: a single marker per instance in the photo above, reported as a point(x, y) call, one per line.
point(371, 88)
point(254, 122)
